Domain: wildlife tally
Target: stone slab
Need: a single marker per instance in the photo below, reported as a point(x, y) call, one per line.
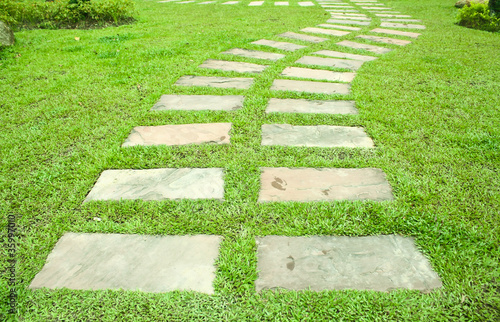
point(215, 133)
point(231, 2)
point(131, 262)
point(401, 25)
point(207, 2)
point(376, 8)
point(279, 45)
point(323, 184)
point(322, 136)
point(370, 48)
point(254, 54)
point(289, 105)
point(326, 25)
point(296, 36)
point(385, 40)
point(159, 184)
point(306, 4)
point(339, 54)
point(233, 66)
point(328, 32)
point(334, 16)
point(391, 15)
point(396, 32)
point(256, 3)
point(199, 102)
point(319, 263)
point(349, 22)
point(342, 10)
point(318, 74)
point(218, 82)
point(310, 87)
point(347, 14)
point(330, 62)
point(336, 6)
point(281, 3)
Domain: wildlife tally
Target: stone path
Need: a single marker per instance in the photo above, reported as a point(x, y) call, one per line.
point(199, 102)
point(233, 66)
point(254, 54)
point(331, 62)
point(310, 106)
point(220, 82)
point(310, 87)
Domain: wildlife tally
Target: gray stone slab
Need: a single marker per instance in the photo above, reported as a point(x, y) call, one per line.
point(296, 36)
point(326, 25)
point(218, 82)
point(233, 66)
point(396, 32)
point(324, 184)
point(214, 133)
point(330, 62)
point(401, 20)
point(348, 14)
point(310, 87)
point(401, 25)
point(281, 3)
point(131, 262)
point(339, 54)
point(231, 2)
point(342, 10)
point(255, 3)
point(335, 6)
point(207, 2)
point(391, 15)
point(254, 54)
point(279, 45)
point(338, 17)
point(328, 32)
point(318, 263)
point(385, 40)
point(376, 8)
point(310, 106)
point(322, 136)
point(306, 4)
point(199, 102)
point(318, 74)
point(159, 184)
point(349, 22)
point(370, 48)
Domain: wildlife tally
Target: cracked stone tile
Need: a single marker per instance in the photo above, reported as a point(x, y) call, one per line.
point(326, 25)
point(396, 32)
point(385, 40)
point(318, 74)
point(370, 48)
point(218, 82)
point(328, 32)
point(253, 54)
point(401, 25)
point(349, 22)
point(330, 62)
point(199, 102)
point(310, 87)
point(296, 36)
point(338, 54)
point(289, 105)
point(279, 45)
point(233, 66)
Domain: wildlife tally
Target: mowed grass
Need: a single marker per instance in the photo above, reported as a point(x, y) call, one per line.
point(431, 107)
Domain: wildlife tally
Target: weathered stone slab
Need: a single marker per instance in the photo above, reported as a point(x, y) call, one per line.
point(326, 25)
point(334, 16)
point(219, 82)
point(256, 3)
point(131, 262)
point(323, 136)
point(391, 15)
point(183, 2)
point(385, 40)
point(336, 6)
point(324, 184)
point(206, 2)
point(293, 35)
point(233, 66)
point(370, 48)
point(281, 3)
point(330, 62)
point(318, 263)
point(401, 20)
point(310, 106)
point(371, 4)
point(328, 32)
point(318, 74)
point(376, 8)
point(199, 102)
point(216, 133)
point(401, 25)
point(396, 32)
point(159, 184)
point(254, 54)
point(231, 2)
point(347, 14)
point(342, 10)
point(349, 22)
point(306, 4)
point(338, 54)
point(310, 87)
point(279, 45)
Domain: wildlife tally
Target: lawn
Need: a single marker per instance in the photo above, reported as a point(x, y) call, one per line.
point(69, 99)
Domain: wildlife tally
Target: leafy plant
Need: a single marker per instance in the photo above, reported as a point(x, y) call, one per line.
point(478, 16)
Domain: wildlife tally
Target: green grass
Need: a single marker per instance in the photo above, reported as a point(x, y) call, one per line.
point(431, 107)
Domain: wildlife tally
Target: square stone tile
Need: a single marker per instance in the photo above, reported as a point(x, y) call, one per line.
point(318, 263)
point(331, 62)
point(328, 32)
point(370, 48)
point(199, 102)
point(233, 66)
point(326, 25)
point(218, 82)
point(349, 22)
point(323, 184)
point(401, 25)
point(279, 45)
point(338, 54)
point(395, 32)
point(254, 54)
point(385, 40)
point(159, 184)
point(310, 87)
point(131, 262)
point(296, 36)
point(318, 74)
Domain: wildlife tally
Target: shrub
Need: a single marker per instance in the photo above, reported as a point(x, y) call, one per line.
point(478, 16)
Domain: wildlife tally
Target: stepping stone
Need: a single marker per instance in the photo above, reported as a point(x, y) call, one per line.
point(319, 263)
point(336, 6)
point(385, 40)
point(318, 74)
point(183, 2)
point(281, 3)
point(217, 133)
point(325, 184)
point(231, 2)
point(401, 25)
point(233, 66)
point(279, 45)
point(325, 25)
point(390, 15)
point(206, 2)
point(338, 54)
point(306, 4)
point(375, 8)
point(371, 4)
point(342, 10)
point(253, 54)
point(155, 264)
point(346, 14)
point(349, 22)
point(328, 32)
point(330, 62)
point(159, 184)
point(310, 106)
point(310, 87)
point(218, 82)
point(401, 20)
point(350, 18)
point(293, 35)
point(396, 32)
point(323, 136)
point(256, 3)
point(370, 48)
point(199, 102)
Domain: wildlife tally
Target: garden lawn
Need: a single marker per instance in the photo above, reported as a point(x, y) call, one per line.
point(69, 99)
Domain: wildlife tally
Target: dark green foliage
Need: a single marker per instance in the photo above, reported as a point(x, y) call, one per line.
point(479, 16)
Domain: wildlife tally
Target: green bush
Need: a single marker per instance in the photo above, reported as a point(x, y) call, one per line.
point(478, 16)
